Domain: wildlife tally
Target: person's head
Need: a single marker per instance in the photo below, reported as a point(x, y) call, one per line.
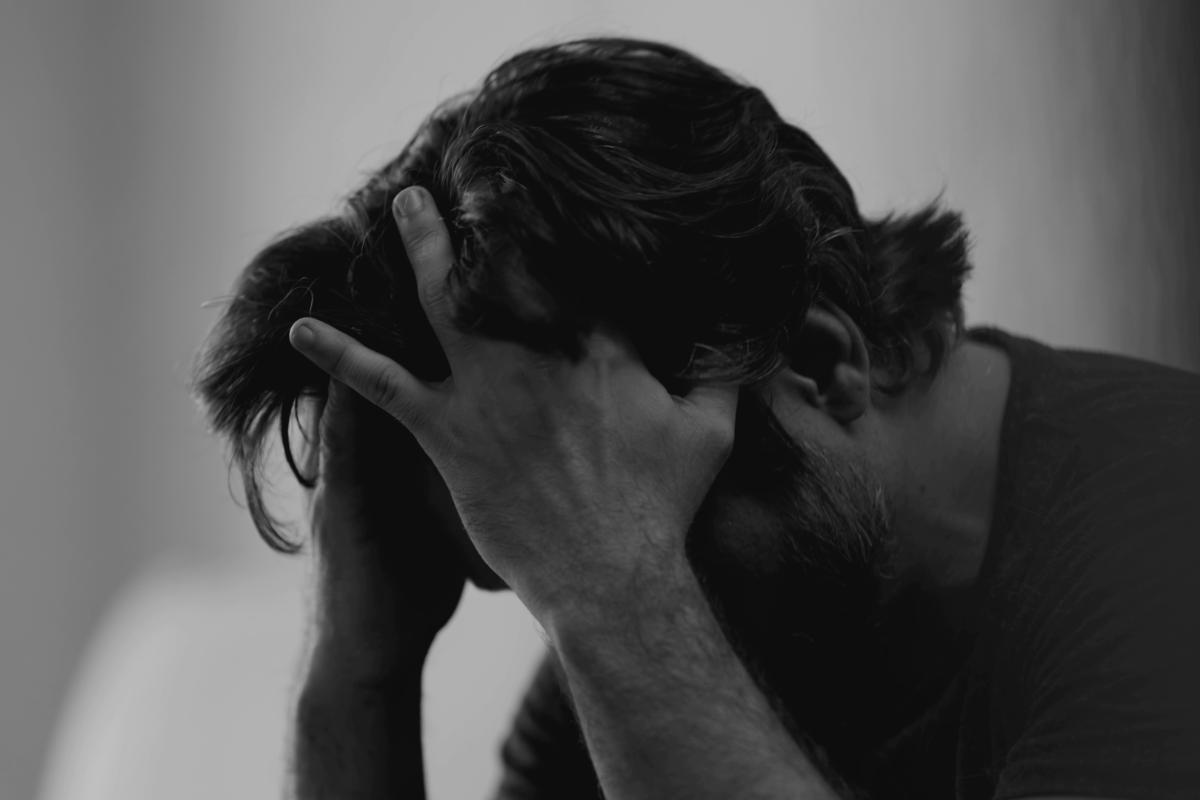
point(630, 182)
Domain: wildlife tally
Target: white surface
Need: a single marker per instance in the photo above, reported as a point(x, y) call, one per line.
point(187, 692)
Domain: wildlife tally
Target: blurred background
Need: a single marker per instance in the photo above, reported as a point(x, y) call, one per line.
point(148, 641)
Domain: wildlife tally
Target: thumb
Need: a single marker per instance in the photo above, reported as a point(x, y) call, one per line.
point(376, 377)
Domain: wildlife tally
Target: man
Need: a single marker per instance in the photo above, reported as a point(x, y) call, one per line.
point(789, 529)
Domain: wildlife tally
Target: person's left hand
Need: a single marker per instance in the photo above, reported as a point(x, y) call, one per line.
point(576, 481)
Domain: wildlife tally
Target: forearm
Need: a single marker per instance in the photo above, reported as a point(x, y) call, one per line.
point(358, 717)
point(358, 736)
point(666, 706)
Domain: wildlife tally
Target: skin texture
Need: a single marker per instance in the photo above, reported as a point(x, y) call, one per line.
point(579, 484)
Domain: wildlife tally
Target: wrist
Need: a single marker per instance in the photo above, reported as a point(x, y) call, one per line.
point(376, 658)
point(330, 685)
point(357, 735)
point(367, 627)
point(600, 591)
point(647, 611)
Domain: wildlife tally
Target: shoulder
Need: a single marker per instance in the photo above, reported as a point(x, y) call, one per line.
point(1095, 446)
point(1101, 497)
point(1094, 609)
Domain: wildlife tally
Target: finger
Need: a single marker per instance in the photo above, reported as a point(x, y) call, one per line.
point(339, 421)
point(339, 428)
point(431, 255)
point(336, 416)
point(714, 406)
point(376, 377)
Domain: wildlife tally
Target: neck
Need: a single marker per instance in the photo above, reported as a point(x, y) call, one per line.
point(946, 441)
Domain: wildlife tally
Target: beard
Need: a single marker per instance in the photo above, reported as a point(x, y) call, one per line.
point(792, 547)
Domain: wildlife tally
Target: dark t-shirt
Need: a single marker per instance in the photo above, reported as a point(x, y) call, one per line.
point(1082, 675)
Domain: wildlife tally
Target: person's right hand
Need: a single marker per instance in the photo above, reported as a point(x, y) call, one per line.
point(389, 575)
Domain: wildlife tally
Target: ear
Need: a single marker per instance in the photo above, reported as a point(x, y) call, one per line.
point(828, 356)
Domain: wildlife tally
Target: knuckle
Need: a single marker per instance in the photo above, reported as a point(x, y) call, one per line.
point(421, 240)
point(433, 294)
point(381, 389)
point(338, 364)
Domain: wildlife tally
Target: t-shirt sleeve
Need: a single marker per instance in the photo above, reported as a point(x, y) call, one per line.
point(544, 756)
point(1108, 682)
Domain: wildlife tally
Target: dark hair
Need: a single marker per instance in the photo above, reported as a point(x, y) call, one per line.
point(603, 179)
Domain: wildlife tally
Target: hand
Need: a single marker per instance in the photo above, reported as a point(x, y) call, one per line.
point(575, 481)
point(390, 579)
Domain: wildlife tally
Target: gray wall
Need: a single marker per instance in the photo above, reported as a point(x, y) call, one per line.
point(147, 150)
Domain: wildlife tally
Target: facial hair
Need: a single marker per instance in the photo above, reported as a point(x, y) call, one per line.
point(791, 547)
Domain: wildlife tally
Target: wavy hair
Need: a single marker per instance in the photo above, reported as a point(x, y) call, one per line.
point(602, 179)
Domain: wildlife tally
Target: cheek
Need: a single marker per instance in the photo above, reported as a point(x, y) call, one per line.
point(739, 550)
point(738, 537)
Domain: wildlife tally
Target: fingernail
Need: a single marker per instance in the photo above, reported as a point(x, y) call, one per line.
point(411, 201)
point(303, 336)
